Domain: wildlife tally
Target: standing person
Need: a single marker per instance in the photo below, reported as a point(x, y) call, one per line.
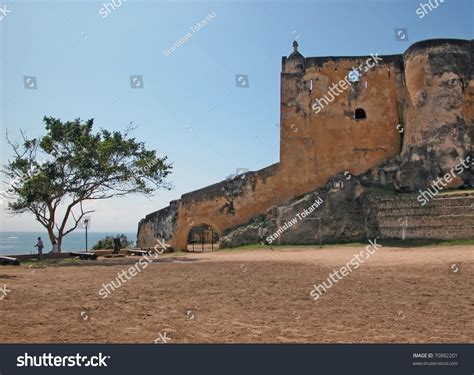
point(40, 247)
point(117, 245)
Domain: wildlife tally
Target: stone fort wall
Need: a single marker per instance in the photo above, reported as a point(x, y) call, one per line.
point(418, 112)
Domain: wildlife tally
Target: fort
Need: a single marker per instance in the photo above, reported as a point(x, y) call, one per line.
point(400, 124)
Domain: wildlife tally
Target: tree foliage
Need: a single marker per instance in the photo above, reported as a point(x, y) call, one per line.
point(108, 242)
point(71, 165)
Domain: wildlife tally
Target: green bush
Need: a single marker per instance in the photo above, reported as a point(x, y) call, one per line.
point(108, 242)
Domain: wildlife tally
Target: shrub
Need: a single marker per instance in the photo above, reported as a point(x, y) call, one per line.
point(108, 242)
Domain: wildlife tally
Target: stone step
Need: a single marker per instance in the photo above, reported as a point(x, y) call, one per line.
point(433, 210)
point(438, 202)
point(447, 232)
point(411, 197)
point(426, 220)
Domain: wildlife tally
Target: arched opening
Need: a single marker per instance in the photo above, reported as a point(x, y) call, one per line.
point(359, 114)
point(202, 238)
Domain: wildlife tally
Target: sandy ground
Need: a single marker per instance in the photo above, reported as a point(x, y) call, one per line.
point(398, 295)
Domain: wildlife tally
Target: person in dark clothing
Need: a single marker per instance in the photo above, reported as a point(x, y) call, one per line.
point(40, 247)
point(117, 245)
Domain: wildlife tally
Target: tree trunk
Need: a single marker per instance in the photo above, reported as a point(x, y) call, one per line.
point(51, 236)
point(60, 241)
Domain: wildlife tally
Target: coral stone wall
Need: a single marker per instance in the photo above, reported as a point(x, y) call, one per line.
point(438, 112)
point(428, 90)
point(229, 203)
point(320, 145)
point(158, 225)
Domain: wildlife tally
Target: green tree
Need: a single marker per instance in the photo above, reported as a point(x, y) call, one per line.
point(71, 165)
point(108, 242)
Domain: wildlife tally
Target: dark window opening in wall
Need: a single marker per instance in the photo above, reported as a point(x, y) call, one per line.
point(338, 185)
point(360, 114)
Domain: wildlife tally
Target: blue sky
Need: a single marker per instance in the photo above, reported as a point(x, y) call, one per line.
point(190, 108)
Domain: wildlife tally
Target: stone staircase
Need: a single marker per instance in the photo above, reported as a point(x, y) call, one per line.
point(449, 216)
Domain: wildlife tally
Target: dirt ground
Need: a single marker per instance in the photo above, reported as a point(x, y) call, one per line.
point(403, 295)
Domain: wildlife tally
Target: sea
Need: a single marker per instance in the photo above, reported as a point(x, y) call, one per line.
point(14, 243)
